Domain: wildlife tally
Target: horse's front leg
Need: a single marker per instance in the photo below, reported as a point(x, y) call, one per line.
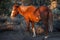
point(33, 29)
point(28, 25)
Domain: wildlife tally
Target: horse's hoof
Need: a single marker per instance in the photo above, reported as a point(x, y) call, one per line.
point(50, 30)
point(34, 35)
point(45, 38)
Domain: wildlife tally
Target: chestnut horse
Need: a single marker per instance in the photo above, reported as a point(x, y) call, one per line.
point(32, 14)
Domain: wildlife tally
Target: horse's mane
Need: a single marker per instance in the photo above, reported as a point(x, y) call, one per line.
point(31, 8)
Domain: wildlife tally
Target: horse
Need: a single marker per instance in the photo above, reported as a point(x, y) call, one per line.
point(32, 15)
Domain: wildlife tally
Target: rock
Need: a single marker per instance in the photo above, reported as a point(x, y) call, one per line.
point(39, 30)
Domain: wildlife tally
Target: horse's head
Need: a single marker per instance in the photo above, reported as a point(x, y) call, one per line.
point(14, 11)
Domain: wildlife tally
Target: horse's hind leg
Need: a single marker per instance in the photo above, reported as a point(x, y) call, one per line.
point(50, 22)
point(50, 26)
point(46, 25)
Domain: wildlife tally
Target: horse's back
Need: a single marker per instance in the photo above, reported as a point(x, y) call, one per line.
point(26, 9)
point(43, 8)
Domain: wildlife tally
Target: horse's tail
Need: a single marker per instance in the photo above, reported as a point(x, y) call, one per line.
point(50, 21)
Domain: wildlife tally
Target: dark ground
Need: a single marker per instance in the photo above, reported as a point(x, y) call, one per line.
point(22, 35)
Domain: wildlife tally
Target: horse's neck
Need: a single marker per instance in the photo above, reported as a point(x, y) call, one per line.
point(24, 8)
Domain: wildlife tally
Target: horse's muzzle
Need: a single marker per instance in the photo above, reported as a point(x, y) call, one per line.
point(12, 17)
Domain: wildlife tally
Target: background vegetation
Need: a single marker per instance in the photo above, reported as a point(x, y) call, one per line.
point(6, 5)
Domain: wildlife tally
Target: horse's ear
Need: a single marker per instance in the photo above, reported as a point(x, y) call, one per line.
point(15, 5)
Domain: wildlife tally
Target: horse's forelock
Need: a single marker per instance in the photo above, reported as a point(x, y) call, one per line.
point(15, 5)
